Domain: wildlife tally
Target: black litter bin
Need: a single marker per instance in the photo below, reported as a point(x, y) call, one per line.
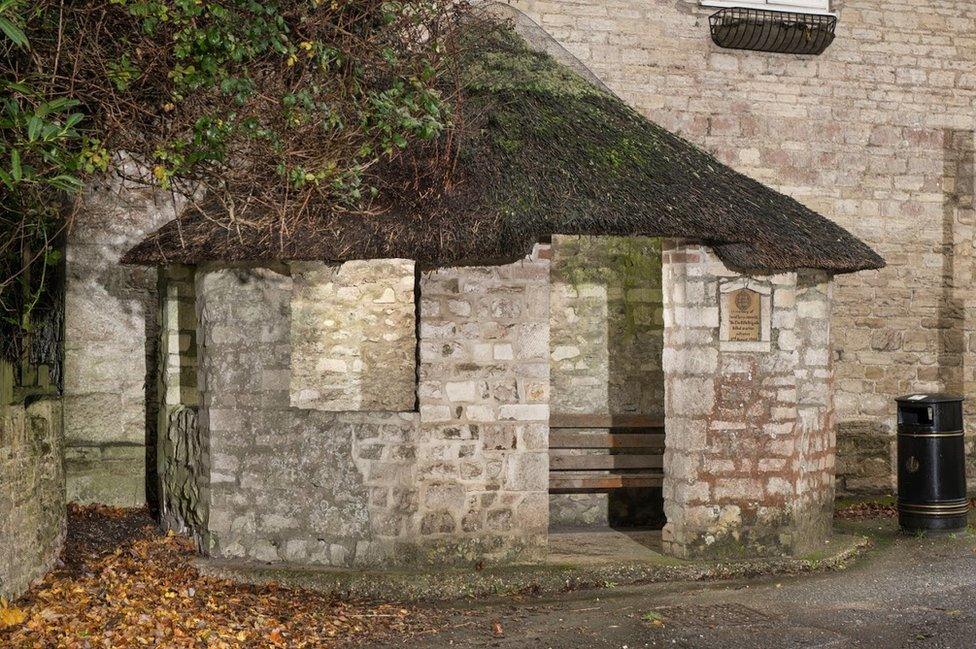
point(931, 463)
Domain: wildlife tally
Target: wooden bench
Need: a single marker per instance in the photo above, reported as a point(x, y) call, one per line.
point(625, 451)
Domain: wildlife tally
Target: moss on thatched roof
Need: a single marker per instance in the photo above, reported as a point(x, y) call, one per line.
point(553, 153)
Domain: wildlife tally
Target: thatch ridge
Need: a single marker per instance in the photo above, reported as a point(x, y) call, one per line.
point(553, 154)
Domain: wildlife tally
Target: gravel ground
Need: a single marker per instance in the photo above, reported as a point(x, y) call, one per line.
point(906, 592)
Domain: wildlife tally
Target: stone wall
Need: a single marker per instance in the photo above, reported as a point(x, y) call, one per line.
point(354, 336)
point(876, 133)
point(32, 507)
point(749, 454)
point(606, 336)
point(464, 478)
point(749, 462)
point(606, 324)
point(110, 336)
point(483, 464)
point(281, 483)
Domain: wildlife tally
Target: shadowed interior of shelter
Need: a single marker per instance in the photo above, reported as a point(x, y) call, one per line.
point(606, 337)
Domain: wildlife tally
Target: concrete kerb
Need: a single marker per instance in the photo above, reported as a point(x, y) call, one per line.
point(529, 579)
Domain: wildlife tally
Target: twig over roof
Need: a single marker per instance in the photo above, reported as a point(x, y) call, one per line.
point(547, 152)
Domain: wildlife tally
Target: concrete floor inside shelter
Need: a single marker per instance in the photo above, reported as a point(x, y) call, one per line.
point(592, 545)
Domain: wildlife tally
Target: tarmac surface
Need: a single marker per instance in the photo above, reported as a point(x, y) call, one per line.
point(906, 591)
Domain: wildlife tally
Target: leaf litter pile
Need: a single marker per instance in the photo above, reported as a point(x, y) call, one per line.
point(122, 583)
point(867, 509)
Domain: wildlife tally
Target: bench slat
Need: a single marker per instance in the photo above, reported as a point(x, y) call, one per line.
point(565, 420)
point(603, 462)
point(597, 482)
point(569, 439)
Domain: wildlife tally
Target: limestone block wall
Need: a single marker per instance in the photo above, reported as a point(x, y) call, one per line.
point(354, 336)
point(483, 464)
point(110, 337)
point(749, 451)
point(606, 325)
point(606, 336)
point(464, 478)
point(877, 133)
point(281, 483)
point(32, 505)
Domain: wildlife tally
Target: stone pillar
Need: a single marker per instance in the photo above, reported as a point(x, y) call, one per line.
point(816, 449)
point(749, 457)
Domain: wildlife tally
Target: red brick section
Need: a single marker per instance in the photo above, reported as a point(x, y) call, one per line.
point(749, 458)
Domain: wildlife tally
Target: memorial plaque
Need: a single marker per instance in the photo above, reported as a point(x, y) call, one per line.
point(744, 315)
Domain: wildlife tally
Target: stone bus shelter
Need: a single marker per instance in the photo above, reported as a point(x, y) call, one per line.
point(297, 430)
point(650, 348)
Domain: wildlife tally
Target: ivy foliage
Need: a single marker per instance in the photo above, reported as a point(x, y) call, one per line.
point(272, 107)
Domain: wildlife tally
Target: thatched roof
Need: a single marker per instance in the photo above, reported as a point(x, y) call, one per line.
point(555, 153)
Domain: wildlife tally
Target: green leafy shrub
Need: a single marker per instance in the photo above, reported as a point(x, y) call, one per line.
point(293, 104)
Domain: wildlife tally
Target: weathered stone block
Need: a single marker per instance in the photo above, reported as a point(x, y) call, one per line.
point(528, 472)
point(690, 397)
point(353, 336)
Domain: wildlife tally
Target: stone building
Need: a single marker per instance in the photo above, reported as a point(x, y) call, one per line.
point(876, 133)
point(438, 388)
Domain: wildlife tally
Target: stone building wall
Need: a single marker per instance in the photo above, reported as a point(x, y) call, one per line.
point(483, 463)
point(606, 336)
point(281, 483)
point(748, 465)
point(110, 336)
point(463, 478)
point(32, 506)
point(876, 134)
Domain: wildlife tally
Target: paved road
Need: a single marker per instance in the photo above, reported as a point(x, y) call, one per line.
point(907, 592)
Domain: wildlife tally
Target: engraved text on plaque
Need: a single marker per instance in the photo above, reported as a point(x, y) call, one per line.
point(744, 315)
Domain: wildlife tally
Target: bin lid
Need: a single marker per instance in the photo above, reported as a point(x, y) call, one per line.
point(934, 397)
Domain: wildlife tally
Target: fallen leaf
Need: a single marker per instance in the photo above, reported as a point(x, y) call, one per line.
point(123, 582)
point(11, 616)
